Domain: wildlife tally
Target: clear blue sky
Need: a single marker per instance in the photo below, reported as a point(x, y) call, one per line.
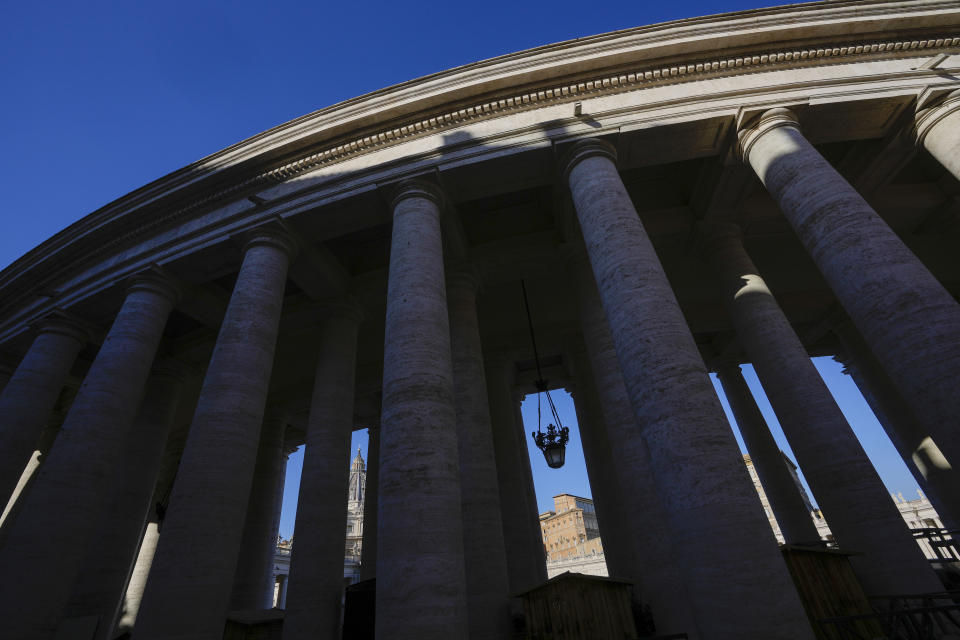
point(100, 98)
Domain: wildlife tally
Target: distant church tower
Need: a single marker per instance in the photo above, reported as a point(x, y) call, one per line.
point(357, 492)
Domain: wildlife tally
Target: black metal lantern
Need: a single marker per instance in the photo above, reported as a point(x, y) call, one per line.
point(553, 443)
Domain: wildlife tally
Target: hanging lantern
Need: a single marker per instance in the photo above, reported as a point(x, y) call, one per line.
point(553, 443)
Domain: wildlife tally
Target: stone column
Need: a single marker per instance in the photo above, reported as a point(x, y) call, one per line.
point(604, 487)
point(913, 442)
point(793, 518)
point(368, 559)
point(27, 401)
point(159, 502)
point(861, 515)
point(910, 322)
point(736, 579)
point(48, 541)
point(484, 551)
point(529, 490)
point(646, 520)
point(937, 129)
point(525, 559)
point(113, 550)
point(253, 581)
point(188, 591)
point(421, 590)
point(314, 601)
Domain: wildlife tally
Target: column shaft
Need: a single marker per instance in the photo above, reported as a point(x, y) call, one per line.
point(919, 452)
point(795, 522)
point(253, 582)
point(526, 566)
point(535, 534)
point(421, 591)
point(188, 591)
point(47, 543)
point(315, 591)
point(484, 551)
point(607, 501)
point(659, 582)
point(910, 322)
point(736, 579)
point(368, 559)
point(27, 401)
point(113, 550)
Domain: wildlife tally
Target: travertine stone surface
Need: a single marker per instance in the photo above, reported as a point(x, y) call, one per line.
point(862, 517)
point(938, 130)
point(100, 587)
point(47, 543)
point(526, 563)
point(253, 582)
point(795, 522)
point(920, 453)
point(28, 398)
point(728, 551)
point(485, 557)
point(907, 318)
point(660, 584)
point(421, 590)
point(368, 559)
point(315, 585)
point(617, 536)
point(529, 490)
point(188, 591)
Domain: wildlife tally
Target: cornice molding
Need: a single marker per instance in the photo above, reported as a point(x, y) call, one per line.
point(143, 214)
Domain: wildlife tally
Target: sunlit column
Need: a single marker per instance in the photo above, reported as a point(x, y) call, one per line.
point(188, 591)
point(844, 482)
point(48, 541)
point(421, 590)
point(27, 401)
point(315, 590)
point(484, 551)
point(919, 452)
point(910, 322)
point(793, 518)
point(736, 579)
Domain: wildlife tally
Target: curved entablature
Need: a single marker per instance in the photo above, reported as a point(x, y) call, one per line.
point(714, 67)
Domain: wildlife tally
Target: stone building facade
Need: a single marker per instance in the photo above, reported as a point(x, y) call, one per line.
point(679, 199)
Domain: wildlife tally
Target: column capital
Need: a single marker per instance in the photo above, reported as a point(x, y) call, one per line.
point(751, 131)
point(63, 324)
point(417, 188)
point(583, 149)
point(156, 280)
point(929, 116)
point(272, 234)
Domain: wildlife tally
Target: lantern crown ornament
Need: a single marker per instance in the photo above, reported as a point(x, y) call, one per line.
point(553, 443)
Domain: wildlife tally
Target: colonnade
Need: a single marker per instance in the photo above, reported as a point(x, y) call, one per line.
point(455, 529)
